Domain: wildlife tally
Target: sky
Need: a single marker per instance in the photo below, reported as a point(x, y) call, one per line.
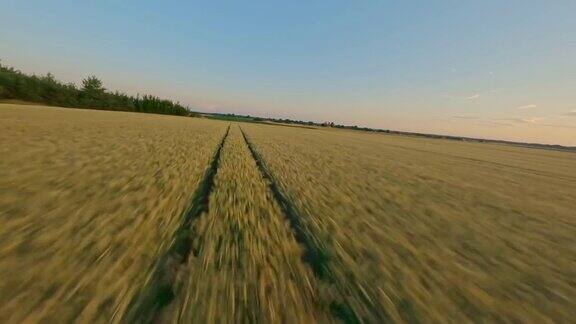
point(489, 69)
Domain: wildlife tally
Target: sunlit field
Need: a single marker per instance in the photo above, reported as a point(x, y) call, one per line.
point(433, 230)
point(88, 201)
point(127, 217)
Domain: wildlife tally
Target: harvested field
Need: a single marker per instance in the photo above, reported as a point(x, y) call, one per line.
point(88, 200)
point(432, 230)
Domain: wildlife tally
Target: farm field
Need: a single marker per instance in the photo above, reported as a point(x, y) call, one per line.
point(88, 200)
point(124, 217)
point(424, 230)
point(245, 258)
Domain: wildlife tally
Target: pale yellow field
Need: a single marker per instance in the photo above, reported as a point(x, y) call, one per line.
point(123, 217)
point(433, 230)
point(88, 200)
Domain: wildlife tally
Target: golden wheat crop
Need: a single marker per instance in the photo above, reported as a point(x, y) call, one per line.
point(88, 200)
point(123, 217)
point(433, 230)
point(247, 265)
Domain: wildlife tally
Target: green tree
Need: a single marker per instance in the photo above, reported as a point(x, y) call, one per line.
point(47, 89)
point(92, 85)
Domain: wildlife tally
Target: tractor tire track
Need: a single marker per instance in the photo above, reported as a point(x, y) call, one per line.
point(159, 292)
point(315, 256)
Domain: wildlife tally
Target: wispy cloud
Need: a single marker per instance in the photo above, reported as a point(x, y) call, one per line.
point(465, 117)
point(531, 120)
point(559, 125)
point(498, 123)
point(546, 121)
point(529, 106)
point(514, 120)
point(527, 120)
point(474, 96)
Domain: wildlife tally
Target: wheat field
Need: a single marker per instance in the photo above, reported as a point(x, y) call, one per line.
point(88, 200)
point(246, 259)
point(124, 217)
point(427, 230)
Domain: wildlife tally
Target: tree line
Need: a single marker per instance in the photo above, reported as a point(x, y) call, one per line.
point(17, 85)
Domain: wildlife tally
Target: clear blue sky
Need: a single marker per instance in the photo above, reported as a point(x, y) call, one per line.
point(494, 69)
